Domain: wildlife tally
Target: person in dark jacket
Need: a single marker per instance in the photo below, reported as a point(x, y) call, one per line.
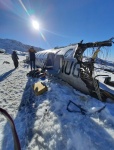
point(15, 59)
point(32, 57)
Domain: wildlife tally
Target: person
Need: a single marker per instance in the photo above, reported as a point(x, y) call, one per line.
point(32, 57)
point(15, 59)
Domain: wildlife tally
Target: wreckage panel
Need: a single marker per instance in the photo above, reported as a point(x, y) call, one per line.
point(70, 74)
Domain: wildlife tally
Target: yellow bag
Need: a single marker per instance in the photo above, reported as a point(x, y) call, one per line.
point(39, 88)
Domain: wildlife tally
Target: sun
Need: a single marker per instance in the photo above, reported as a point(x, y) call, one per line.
point(35, 24)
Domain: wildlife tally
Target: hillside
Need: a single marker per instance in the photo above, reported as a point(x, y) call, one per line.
point(8, 45)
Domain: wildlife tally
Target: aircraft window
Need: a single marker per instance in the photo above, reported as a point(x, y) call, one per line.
point(42, 55)
point(69, 53)
point(45, 55)
point(39, 55)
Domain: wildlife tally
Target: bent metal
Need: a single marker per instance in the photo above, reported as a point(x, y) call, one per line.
point(67, 63)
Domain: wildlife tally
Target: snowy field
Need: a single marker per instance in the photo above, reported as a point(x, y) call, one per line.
point(43, 122)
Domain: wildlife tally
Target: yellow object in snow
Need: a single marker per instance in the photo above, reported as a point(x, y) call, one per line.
point(39, 88)
point(95, 54)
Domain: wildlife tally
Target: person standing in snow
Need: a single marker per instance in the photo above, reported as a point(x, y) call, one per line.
point(32, 57)
point(15, 59)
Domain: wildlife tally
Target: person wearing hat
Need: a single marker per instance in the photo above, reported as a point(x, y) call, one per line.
point(32, 58)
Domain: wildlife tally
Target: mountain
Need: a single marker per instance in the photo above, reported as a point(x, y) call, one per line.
point(8, 45)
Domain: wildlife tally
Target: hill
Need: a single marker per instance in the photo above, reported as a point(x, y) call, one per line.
point(8, 45)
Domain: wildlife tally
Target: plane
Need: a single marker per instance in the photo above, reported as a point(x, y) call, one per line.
point(70, 64)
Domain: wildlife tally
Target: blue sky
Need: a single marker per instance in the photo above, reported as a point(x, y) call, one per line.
point(61, 21)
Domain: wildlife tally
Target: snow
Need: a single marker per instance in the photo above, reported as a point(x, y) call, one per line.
point(8, 45)
point(43, 122)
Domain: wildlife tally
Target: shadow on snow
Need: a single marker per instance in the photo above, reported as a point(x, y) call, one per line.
point(82, 131)
point(5, 75)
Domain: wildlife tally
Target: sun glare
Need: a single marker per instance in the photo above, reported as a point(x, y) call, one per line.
point(35, 24)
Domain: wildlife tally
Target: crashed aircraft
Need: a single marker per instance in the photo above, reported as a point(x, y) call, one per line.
point(69, 64)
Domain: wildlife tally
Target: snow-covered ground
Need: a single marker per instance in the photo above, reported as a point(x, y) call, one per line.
point(43, 122)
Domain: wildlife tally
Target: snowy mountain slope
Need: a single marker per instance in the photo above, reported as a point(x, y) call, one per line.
point(10, 45)
point(43, 122)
